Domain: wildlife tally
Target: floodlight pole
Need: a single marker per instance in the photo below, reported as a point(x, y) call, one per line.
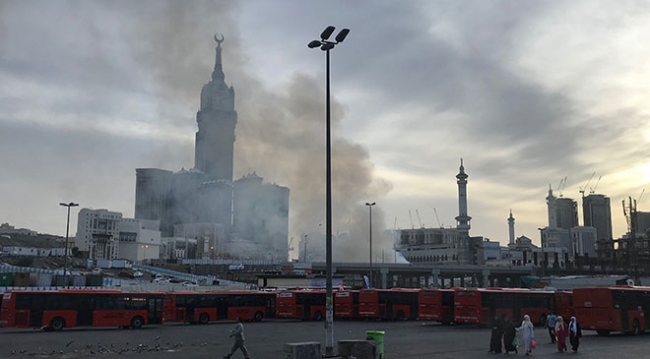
point(326, 46)
point(370, 239)
point(65, 251)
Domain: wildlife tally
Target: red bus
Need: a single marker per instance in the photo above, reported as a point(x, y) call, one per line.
point(203, 307)
point(346, 304)
point(608, 309)
point(479, 305)
point(300, 304)
point(393, 304)
point(436, 305)
point(56, 310)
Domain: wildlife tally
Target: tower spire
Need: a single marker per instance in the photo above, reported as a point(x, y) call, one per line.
point(216, 119)
point(463, 220)
point(552, 208)
point(511, 229)
point(217, 74)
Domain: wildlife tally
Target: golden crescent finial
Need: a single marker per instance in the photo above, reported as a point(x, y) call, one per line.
point(216, 38)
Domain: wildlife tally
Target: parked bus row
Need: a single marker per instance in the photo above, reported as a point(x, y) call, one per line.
point(604, 309)
point(66, 308)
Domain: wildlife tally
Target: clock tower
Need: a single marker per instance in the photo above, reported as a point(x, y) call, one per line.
point(216, 118)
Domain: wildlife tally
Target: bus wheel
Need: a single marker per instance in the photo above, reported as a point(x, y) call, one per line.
point(636, 328)
point(204, 318)
point(318, 316)
point(137, 322)
point(258, 317)
point(399, 315)
point(57, 324)
point(602, 332)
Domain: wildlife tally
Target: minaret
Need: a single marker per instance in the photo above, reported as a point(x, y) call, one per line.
point(552, 208)
point(463, 220)
point(215, 139)
point(511, 229)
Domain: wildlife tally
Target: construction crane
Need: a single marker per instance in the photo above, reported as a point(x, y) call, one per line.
point(411, 219)
point(582, 189)
point(641, 196)
point(437, 218)
point(560, 187)
point(419, 220)
point(593, 190)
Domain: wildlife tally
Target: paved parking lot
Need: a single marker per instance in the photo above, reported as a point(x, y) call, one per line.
point(265, 340)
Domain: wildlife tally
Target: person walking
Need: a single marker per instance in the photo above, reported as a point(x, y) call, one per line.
point(497, 334)
point(551, 319)
point(575, 333)
point(238, 334)
point(561, 332)
point(528, 334)
point(509, 335)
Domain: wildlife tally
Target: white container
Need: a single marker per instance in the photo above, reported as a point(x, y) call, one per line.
point(121, 263)
point(103, 263)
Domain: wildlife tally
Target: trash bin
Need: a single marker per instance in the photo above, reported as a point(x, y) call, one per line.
point(378, 337)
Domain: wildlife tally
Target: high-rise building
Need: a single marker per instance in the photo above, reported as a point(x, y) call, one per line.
point(642, 224)
point(261, 214)
point(566, 213)
point(583, 241)
point(203, 202)
point(151, 189)
point(597, 213)
point(98, 233)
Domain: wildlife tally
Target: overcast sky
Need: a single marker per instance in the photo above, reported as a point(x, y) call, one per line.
point(526, 92)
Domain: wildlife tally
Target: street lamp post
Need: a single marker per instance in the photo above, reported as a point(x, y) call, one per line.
point(67, 234)
point(326, 46)
point(370, 236)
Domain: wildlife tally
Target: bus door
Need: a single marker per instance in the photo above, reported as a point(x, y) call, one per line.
point(303, 306)
point(492, 301)
point(270, 305)
point(447, 308)
point(155, 310)
point(35, 304)
point(384, 306)
point(621, 302)
point(222, 302)
point(190, 304)
point(85, 305)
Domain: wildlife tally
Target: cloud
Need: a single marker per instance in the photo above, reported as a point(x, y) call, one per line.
point(527, 93)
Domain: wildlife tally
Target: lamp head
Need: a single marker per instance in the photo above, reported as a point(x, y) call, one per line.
point(314, 44)
point(327, 32)
point(342, 34)
point(327, 46)
point(71, 204)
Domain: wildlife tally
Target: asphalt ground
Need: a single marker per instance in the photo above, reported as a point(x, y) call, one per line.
point(410, 339)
